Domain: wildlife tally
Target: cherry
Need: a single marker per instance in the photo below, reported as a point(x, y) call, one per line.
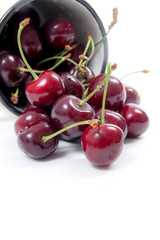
point(10, 75)
point(72, 85)
point(29, 116)
point(87, 76)
point(31, 43)
point(67, 111)
point(75, 53)
point(137, 120)
point(44, 91)
point(30, 140)
point(26, 12)
point(114, 118)
point(102, 144)
point(116, 94)
point(132, 96)
point(59, 32)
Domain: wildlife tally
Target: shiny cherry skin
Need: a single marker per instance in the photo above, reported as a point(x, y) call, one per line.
point(86, 76)
point(72, 85)
point(28, 117)
point(66, 111)
point(10, 76)
point(31, 43)
point(116, 94)
point(137, 120)
point(114, 118)
point(102, 144)
point(44, 91)
point(30, 140)
point(132, 96)
point(59, 32)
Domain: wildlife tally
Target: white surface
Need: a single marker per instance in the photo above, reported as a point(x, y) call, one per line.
point(65, 197)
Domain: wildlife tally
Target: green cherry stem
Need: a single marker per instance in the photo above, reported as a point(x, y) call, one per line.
point(22, 25)
point(140, 71)
point(84, 53)
point(47, 138)
point(96, 89)
point(59, 55)
point(109, 71)
point(14, 96)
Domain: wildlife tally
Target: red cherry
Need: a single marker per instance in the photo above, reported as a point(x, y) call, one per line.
point(10, 76)
point(66, 111)
point(102, 144)
point(114, 118)
point(44, 91)
point(31, 43)
point(116, 94)
point(59, 32)
point(30, 116)
point(132, 96)
point(72, 85)
point(137, 120)
point(30, 140)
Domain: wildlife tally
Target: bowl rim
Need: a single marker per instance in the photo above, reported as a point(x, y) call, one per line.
point(10, 12)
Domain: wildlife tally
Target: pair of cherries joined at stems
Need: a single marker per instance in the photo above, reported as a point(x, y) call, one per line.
point(102, 142)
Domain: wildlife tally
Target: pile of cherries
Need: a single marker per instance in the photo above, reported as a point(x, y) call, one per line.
point(66, 100)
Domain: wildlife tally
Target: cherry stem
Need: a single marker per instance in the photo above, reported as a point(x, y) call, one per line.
point(102, 40)
point(62, 59)
point(59, 55)
point(109, 71)
point(84, 53)
point(22, 25)
point(115, 14)
point(47, 138)
point(14, 96)
point(95, 90)
point(140, 71)
point(67, 49)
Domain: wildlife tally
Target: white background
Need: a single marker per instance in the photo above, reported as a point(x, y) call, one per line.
point(65, 197)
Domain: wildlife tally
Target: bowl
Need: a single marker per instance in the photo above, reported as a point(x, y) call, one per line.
point(84, 18)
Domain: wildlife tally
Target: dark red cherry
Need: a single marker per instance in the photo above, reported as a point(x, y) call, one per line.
point(87, 76)
point(114, 118)
point(10, 75)
point(132, 96)
point(28, 117)
point(59, 32)
point(75, 53)
point(72, 85)
point(102, 144)
point(31, 43)
point(26, 12)
point(44, 91)
point(30, 140)
point(66, 111)
point(116, 94)
point(137, 120)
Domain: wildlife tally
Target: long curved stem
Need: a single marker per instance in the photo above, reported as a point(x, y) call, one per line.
point(21, 27)
point(140, 71)
point(46, 138)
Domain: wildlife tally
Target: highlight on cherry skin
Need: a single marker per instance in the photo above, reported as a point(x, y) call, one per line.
point(102, 144)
